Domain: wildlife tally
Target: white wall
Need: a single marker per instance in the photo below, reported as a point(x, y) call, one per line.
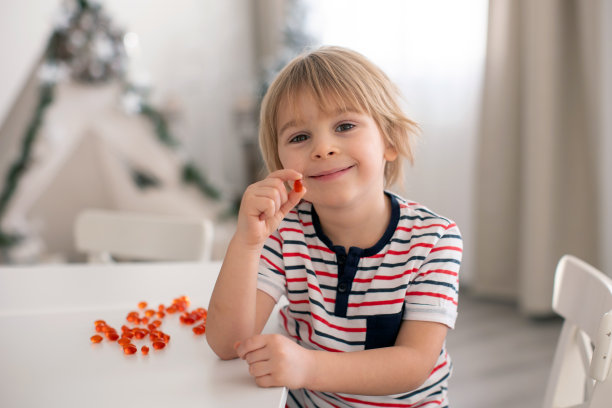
point(24, 29)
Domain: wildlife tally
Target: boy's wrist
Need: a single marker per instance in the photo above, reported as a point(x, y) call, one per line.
point(245, 245)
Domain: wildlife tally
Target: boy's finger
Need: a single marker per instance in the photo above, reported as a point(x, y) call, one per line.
point(248, 345)
point(293, 200)
point(286, 174)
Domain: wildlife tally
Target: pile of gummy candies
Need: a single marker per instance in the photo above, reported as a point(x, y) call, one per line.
point(149, 323)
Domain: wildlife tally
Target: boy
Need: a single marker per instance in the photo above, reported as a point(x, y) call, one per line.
point(371, 278)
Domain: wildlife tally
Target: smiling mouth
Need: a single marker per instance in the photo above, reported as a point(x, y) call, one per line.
point(332, 173)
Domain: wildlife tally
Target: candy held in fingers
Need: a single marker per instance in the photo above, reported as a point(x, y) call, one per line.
point(297, 186)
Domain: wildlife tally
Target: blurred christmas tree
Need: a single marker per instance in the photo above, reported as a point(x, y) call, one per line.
point(86, 47)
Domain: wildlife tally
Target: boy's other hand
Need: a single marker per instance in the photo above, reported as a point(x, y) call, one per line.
point(276, 361)
point(264, 205)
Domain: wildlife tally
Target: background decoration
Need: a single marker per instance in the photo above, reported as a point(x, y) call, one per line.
point(85, 47)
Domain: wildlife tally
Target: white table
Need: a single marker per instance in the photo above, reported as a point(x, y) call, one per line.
point(47, 359)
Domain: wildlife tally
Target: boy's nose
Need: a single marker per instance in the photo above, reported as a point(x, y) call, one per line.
point(324, 149)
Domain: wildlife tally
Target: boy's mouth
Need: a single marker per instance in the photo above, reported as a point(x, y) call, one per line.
point(332, 173)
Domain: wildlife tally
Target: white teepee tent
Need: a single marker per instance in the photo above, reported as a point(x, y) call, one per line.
point(83, 157)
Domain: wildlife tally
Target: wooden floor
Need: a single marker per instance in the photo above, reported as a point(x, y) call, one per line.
point(501, 359)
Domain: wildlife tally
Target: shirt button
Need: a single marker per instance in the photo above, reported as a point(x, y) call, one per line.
point(342, 287)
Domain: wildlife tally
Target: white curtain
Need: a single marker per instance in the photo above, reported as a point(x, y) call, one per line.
point(538, 175)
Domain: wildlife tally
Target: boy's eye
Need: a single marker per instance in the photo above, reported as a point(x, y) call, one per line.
point(344, 127)
point(298, 138)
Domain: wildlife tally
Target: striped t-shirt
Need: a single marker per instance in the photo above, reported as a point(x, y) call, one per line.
point(353, 301)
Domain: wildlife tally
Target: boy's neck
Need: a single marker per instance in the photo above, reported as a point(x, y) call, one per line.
point(361, 226)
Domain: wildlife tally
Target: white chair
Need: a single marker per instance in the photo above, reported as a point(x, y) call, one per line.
point(105, 235)
point(580, 375)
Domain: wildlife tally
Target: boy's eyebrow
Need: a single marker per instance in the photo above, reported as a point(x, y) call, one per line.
point(287, 126)
point(294, 122)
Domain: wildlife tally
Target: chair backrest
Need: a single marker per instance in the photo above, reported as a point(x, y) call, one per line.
point(580, 372)
point(104, 234)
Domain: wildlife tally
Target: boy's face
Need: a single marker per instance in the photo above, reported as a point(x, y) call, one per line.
point(341, 155)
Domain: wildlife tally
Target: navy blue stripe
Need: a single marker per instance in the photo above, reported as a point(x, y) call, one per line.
point(297, 291)
point(451, 236)
point(295, 221)
point(294, 399)
point(418, 217)
point(278, 254)
point(338, 339)
point(407, 241)
point(294, 242)
point(430, 282)
point(391, 265)
point(271, 270)
point(442, 260)
point(421, 390)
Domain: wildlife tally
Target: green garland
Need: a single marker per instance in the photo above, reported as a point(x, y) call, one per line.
point(21, 164)
point(59, 52)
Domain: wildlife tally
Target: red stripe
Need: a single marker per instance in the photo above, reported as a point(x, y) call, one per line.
point(328, 274)
point(376, 303)
point(386, 404)
point(294, 254)
point(291, 230)
point(449, 226)
point(392, 252)
point(418, 227)
point(385, 277)
point(310, 337)
point(437, 368)
point(442, 271)
point(321, 248)
point(282, 313)
point(272, 264)
point(449, 248)
point(297, 279)
point(333, 326)
point(277, 240)
point(299, 302)
point(313, 287)
point(439, 295)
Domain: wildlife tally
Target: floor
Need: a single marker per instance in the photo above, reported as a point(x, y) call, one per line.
point(501, 359)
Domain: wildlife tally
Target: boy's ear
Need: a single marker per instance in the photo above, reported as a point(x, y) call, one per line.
point(390, 153)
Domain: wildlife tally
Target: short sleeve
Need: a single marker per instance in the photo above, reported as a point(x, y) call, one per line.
point(271, 273)
point(432, 294)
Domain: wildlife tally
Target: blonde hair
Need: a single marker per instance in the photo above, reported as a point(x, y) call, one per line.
point(341, 77)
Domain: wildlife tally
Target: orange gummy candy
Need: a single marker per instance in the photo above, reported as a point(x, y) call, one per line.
point(144, 350)
point(297, 186)
point(158, 345)
point(112, 336)
point(96, 338)
point(142, 305)
point(130, 349)
point(124, 341)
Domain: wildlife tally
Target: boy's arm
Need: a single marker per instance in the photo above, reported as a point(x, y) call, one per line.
point(390, 370)
point(383, 371)
point(237, 310)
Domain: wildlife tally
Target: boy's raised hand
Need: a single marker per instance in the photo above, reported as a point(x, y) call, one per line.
point(264, 205)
